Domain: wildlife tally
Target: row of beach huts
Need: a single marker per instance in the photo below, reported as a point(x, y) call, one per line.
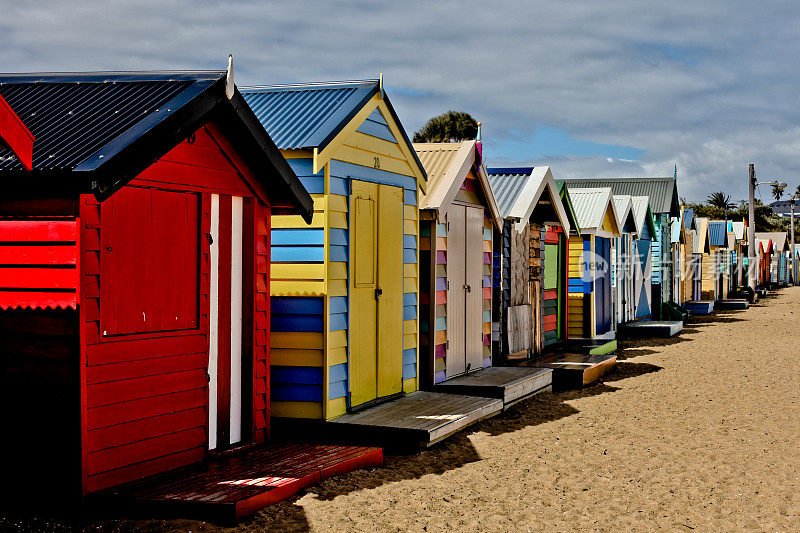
point(213, 296)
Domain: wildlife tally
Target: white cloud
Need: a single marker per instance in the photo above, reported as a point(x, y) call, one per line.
point(709, 86)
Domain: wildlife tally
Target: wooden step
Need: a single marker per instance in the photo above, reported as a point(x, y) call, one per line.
point(225, 489)
point(699, 307)
point(510, 384)
point(651, 328)
point(572, 371)
point(733, 304)
point(418, 419)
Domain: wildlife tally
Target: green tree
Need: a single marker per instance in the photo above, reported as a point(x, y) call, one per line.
point(720, 200)
point(452, 126)
point(777, 190)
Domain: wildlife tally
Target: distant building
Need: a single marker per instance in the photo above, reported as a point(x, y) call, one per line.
point(783, 208)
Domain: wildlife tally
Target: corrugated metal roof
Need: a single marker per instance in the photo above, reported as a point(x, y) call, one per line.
point(447, 166)
point(308, 115)
point(717, 233)
point(95, 131)
point(625, 219)
point(738, 228)
point(778, 238)
point(590, 205)
point(642, 214)
point(663, 192)
point(437, 159)
point(521, 189)
point(507, 184)
point(73, 116)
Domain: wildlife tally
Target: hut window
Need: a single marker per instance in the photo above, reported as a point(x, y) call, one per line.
point(149, 261)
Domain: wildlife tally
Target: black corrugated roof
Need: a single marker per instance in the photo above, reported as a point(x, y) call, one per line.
point(96, 131)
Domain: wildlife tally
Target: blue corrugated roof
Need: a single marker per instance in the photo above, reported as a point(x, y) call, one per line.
point(307, 115)
point(717, 236)
point(507, 184)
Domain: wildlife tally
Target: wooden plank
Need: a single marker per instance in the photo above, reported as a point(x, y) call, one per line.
point(38, 231)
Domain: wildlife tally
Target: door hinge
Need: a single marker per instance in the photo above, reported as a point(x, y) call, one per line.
point(448, 285)
point(447, 345)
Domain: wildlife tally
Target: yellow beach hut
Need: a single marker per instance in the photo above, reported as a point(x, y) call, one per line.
point(344, 290)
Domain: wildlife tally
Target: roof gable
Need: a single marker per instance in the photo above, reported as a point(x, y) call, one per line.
point(96, 131)
point(701, 245)
point(522, 190)
point(447, 166)
point(594, 208)
point(778, 239)
point(318, 117)
point(663, 192)
point(643, 215)
point(623, 208)
point(718, 233)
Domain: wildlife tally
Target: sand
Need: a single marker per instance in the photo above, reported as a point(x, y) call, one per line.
point(697, 432)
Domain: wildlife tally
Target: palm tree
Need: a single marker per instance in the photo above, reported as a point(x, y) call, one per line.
point(452, 126)
point(797, 191)
point(720, 200)
point(777, 190)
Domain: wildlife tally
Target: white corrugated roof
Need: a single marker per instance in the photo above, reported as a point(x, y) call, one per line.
point(622, 205)
point(590, 205)
point(518, 194)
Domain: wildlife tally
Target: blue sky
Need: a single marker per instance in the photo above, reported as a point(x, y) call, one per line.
point(621, 88)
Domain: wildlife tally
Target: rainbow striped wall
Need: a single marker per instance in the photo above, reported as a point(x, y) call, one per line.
point(309, 340)
point(579, 291)
point(438, 293)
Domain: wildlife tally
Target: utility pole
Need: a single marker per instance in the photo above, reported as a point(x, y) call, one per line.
point(791, 250)
point(752, 270)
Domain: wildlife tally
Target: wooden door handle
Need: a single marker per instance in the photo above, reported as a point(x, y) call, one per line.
point(378, 293)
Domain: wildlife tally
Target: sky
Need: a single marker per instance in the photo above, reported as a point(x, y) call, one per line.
point(593, 89)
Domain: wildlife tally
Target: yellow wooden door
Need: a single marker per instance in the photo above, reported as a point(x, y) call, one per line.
point(390, 287)
point(363, 284)
point(376, 292)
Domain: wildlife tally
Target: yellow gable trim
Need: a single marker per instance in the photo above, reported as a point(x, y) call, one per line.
point(609, 222)
point(322, 157)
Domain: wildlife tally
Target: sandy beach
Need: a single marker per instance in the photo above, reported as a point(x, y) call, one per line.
point(697, 432)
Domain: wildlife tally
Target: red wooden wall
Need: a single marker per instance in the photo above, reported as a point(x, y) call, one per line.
point(145, 394)
point(38, 262)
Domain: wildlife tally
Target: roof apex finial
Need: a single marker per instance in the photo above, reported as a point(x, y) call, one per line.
point(380, 84)
point(675, 176)
point(230, 88)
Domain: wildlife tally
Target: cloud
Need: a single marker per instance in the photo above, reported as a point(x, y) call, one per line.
point(709, 86)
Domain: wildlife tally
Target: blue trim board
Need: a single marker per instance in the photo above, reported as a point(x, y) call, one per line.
point(337, 389)
point(409, 312)
point(409, 371)
point(409, 298)
point(293, 392)
point(338, 254)
point(410, 356)
point(438, 377)
point(312, 323)
point(304, 167)
point(339, 186)
point(304, 375)
point(440, 324)
point(409, 256)
point(342, 168)
point(338, 373)
point(298, 254)
point(410, 241)
point(409, 197)
point(338, 322)
point(338, 236)
point(298, 237)
point(376, 126)
point(292, 305)
point(337, 304)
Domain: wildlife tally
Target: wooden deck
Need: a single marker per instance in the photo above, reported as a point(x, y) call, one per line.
point(510, 384)
point(699, 307)
point(229, 488)
point(572, 371)
point(651, 328)
point(419, 419)
point(733, 304)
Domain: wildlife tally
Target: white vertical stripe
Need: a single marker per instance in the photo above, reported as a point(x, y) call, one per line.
point(236, 319)
point(213, 325)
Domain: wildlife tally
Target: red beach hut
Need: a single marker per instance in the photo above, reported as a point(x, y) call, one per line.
point(134, 271)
